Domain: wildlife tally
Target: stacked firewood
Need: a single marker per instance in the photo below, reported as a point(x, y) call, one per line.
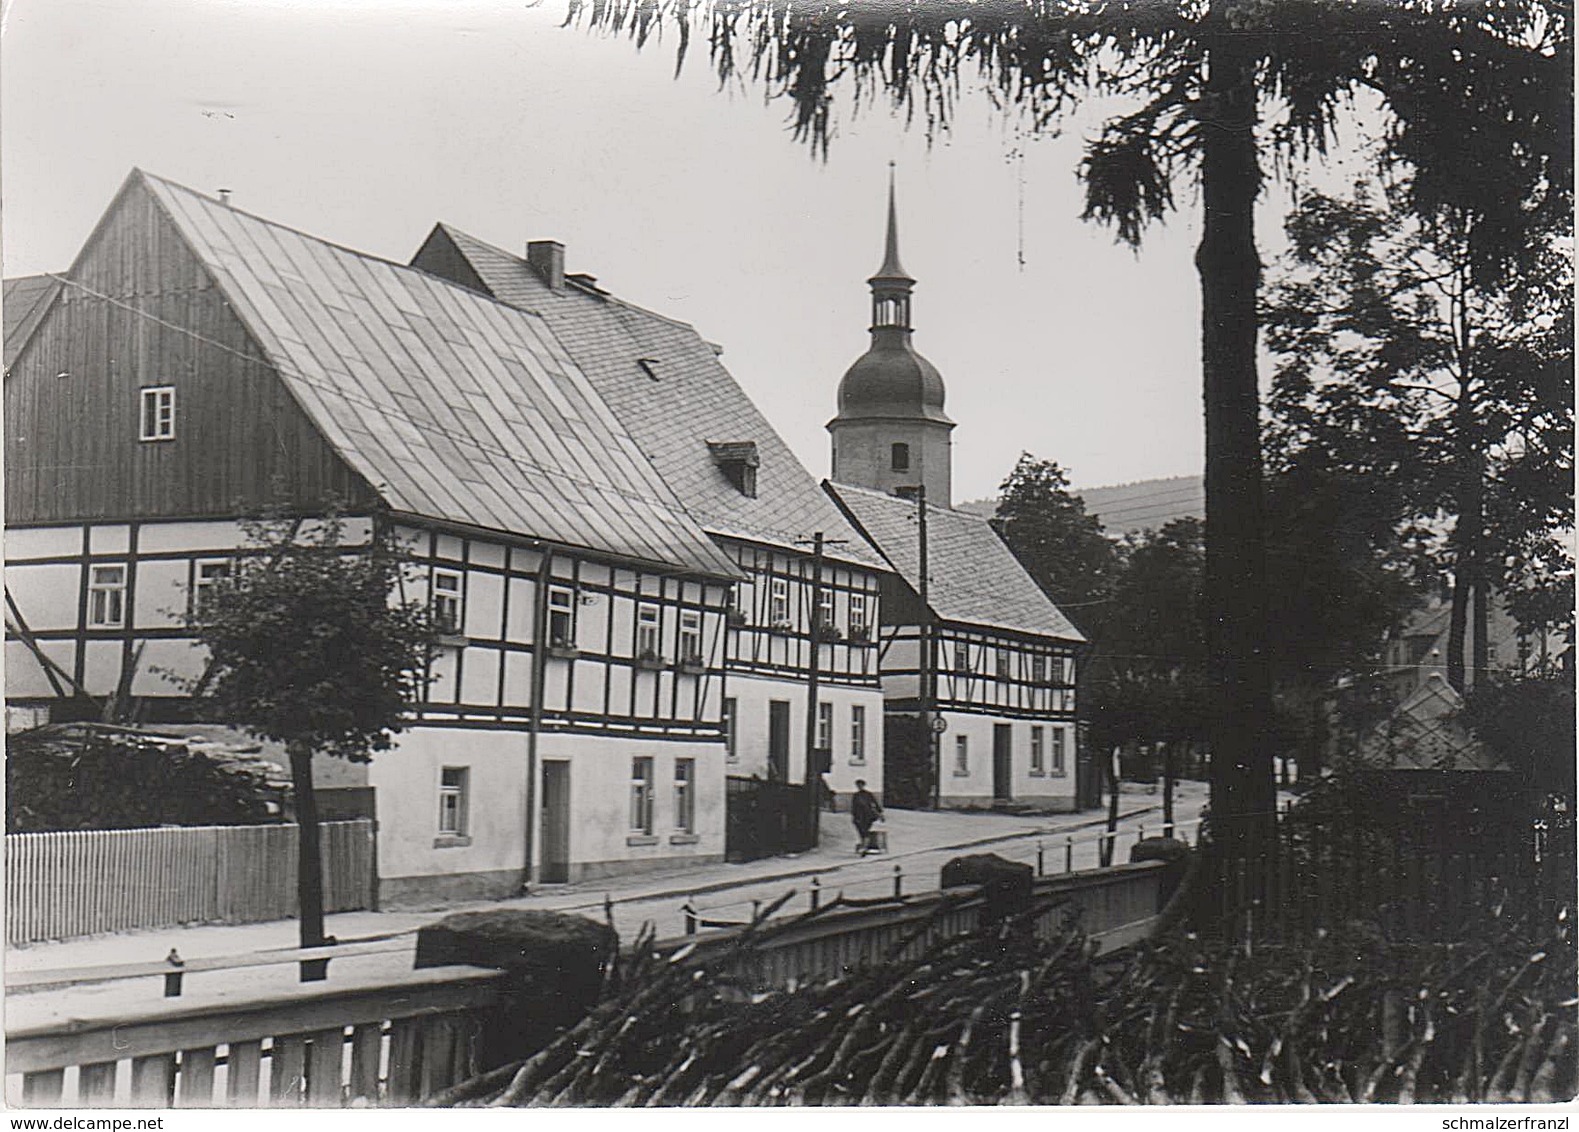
point(1003, 1016)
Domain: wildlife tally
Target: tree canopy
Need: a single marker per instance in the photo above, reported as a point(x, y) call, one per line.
point(1061, 546)
point(310, 646)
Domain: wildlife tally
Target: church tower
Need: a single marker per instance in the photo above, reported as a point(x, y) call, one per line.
point(891, 433)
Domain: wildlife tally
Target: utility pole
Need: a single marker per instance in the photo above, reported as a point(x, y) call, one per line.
point(813, 682)
point(928, 665)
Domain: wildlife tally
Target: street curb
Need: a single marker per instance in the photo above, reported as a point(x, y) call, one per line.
point(795, 874)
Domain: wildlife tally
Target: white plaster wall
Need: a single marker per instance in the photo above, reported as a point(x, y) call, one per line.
point(407, 781)
point(977, 784)
point(46, 594)
point(600, 783)
point(752, 694)
point(42, 542)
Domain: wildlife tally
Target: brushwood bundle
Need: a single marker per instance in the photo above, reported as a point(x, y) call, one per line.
point(1007, 1015)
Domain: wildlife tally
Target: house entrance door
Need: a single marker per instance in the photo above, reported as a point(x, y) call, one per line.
point(778, 740)
point(1002, 761)
point(555, 817)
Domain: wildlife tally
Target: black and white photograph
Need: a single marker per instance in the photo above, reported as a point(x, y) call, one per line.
point(604, 554)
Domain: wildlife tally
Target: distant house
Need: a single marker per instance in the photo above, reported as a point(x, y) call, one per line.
point(978, 666)
point(196, 361)
point(1418, 652)
point(1425, 733)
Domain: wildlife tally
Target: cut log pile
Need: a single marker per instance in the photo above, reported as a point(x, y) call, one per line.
point(1000, 1016)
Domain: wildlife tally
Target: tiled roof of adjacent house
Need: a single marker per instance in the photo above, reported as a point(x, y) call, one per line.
point(972, 575)
point(452, 406)
point(1425, 732)
point(26, 298)
point(668, 388)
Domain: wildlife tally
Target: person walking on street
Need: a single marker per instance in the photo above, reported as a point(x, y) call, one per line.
point(864, 812)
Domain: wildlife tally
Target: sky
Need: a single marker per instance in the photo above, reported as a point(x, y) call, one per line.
point(364, 122)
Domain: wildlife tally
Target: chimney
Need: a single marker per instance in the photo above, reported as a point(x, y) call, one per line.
point(547, 258)
point(224, 197)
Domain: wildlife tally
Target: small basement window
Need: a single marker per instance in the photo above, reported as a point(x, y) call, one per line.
point(158, 413)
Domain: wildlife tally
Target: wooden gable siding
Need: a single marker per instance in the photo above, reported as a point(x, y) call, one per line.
point(140, 310)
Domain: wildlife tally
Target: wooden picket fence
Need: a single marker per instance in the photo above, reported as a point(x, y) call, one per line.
point(84, 882)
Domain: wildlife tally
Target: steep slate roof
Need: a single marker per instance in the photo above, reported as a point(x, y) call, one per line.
point(1425, 733)
point(451, 406)
point(25, 299)
point(972, 575)
point(667, 386)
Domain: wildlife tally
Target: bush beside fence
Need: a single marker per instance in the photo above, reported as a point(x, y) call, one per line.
point(84, 882)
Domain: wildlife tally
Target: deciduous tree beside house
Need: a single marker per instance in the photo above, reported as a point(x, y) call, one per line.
point(312, 646)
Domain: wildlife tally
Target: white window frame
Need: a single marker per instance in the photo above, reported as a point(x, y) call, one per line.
point(824, 726)
point(827, 609)
point(107, 598)
point(446, 597)
point(778, 601)
point(1038, 749)
point(454, 801)
point(1039, 669)
point(156, 413)
point(858, 733)
point(690, 636)
point(641, 795)
point(1002, 667)
point(961, 755)
point(962, 658)
point(649, 632)
point(685, 795)
point(1059, 763)
point(858, 622)
point(731, 723)
point(206, 573)
point(561, 617)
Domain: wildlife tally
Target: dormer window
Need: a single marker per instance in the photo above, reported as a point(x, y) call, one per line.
point(738, 460)
point(899, 457)
point(158, 413)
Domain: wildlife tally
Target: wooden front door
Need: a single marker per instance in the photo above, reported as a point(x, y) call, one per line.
point(1002, 761)
point(778, 740)
point(556, 823)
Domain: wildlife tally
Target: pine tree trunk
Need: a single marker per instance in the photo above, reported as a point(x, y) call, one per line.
point(1239, 724)
point(309, 858)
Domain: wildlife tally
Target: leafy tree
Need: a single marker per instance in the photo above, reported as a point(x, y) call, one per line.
point(1345, 569)
point(1404, 366)
point(1061, 546)
point(309, 647)
point(1476, 99)
point(1529, 724)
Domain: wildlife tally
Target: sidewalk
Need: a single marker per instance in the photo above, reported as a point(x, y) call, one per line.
point(918, 842)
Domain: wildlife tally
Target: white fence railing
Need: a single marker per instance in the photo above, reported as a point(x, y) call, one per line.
point(83, 882)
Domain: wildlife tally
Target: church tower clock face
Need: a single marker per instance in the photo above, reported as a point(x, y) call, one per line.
point(891, 433)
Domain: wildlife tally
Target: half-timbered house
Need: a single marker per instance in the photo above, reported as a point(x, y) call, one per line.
point(741, 483)
point(978, 665)
point(196, 363)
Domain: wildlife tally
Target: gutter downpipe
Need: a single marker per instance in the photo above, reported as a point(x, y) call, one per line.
point(535, 717)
